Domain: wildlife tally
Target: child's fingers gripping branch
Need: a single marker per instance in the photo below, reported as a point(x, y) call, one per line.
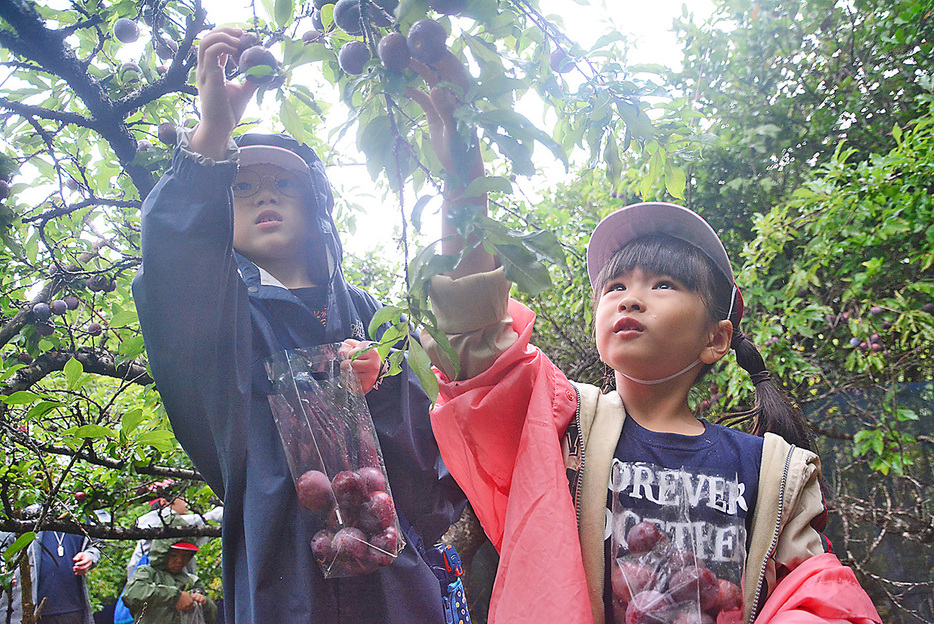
point(223, 102)
point(364, 360)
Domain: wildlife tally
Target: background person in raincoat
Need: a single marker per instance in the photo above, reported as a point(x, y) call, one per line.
point(161, 592)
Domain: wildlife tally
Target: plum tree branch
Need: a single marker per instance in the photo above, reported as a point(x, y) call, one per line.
point(151, 470)
point(59, 211)
point(107, 532)
point(95, 361)
point(31, 40)
point(27, 111)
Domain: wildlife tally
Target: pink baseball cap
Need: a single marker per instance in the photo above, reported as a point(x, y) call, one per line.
point(635, 220)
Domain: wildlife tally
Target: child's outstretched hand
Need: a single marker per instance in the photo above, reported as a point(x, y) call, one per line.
point(222, 101)
point(455, 155)
point(367, 364)
point(439, 106)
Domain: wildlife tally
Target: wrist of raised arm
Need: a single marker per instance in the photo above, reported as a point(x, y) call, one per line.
point(210, 141)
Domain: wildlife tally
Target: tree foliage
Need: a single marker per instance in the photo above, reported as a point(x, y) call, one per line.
point(819, 182)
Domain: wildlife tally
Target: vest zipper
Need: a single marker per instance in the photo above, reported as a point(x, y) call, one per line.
point(580, 474)
point(778, 524)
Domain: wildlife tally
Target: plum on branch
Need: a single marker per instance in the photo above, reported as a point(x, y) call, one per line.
point(393, 51)
point(258, 56)
point(126, 30)
point(426, 41)
point(353, 57)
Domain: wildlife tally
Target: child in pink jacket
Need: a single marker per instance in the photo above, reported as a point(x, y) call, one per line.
point(626, 507)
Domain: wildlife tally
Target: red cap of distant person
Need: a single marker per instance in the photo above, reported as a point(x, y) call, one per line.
point(185, 546)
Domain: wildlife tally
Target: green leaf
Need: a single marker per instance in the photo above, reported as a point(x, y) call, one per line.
point(614, 165)
point(418, 208)
point(73, 371)
point(675, 180)
point(384, 315)
point(126, 317)
point(487, 184)
point(421, 365)
point(160, 439)
point(93, 432)
point(131, 420)
point(521, 267)
point(21, 397)
point(282, 13)
point(292, 121)
point(442, 341)
point(131, 348)
point(20, 543)
point(42, 408)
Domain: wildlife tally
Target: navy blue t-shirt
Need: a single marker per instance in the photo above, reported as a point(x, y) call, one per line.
point(700, 490)
point(57, 581)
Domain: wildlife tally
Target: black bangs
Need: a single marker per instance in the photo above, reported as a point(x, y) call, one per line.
point(659, 254)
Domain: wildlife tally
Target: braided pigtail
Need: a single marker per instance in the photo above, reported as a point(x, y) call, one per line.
point(773, 411)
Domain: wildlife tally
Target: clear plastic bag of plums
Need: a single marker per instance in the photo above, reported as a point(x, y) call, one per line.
point(681, 562)
point(335, 460)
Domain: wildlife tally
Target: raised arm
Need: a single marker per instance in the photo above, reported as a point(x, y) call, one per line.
point(222, 101)
point(192, 304)
point(439, 106)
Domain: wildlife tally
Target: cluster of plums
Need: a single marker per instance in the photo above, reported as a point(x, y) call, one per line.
point(655, 583)
point(361, 531)
point(425, 42)
point(43, 312)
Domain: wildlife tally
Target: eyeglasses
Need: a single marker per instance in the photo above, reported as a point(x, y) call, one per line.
point(287, 183)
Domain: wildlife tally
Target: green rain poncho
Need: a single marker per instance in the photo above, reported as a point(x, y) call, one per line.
point(153, 591)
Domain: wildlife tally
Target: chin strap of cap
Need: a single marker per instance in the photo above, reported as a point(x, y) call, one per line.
point(655, 382)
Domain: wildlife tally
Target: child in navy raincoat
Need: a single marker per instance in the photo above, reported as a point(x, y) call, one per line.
point(233, 271)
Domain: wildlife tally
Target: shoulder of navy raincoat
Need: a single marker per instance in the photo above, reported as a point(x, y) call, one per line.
point(209, 321)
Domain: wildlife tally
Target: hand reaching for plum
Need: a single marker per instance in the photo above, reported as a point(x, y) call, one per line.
point(439, 106)
point(364, 360)
point(455, 154)
point(223, 102)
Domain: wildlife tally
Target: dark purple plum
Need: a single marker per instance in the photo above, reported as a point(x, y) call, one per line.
point(377, 512)
point(322, 547)
point(426, 41)
point(353, 57)
point(393, 51)
point(695, 583)
point(643, 537)
point(314, 491)
point(373, 478)
point(349, 489)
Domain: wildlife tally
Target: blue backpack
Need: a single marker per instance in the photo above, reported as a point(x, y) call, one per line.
point(121, 613)
point(446, 565)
